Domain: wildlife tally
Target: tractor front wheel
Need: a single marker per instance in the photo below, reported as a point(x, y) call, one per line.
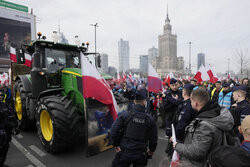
point(58, 123)
point(20, 107)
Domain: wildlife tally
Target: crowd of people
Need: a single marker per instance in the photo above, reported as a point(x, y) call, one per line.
point(211, 123)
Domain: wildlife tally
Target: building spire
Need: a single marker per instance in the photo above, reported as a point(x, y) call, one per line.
point(167, 19)
point(167, 9)
point(167, 26)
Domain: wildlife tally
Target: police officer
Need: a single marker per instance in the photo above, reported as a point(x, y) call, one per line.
point(185, 112)
point(134, 135)
point(240, 109)
point(7, 123)
point(172, 99)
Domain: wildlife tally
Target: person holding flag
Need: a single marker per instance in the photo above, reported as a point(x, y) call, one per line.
point(204, 133)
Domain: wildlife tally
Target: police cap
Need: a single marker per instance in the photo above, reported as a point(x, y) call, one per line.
point(242, 87)
point(173, 81)
point(189, 86)
point(140, 95)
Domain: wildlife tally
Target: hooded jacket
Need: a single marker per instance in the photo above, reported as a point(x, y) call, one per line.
point(204, 133)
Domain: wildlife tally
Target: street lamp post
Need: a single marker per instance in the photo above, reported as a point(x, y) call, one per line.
point(95, 25)
point(190, 43)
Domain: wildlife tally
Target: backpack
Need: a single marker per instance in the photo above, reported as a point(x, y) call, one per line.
point(229, 156)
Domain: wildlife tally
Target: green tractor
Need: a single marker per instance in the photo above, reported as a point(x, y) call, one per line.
point(50, 94)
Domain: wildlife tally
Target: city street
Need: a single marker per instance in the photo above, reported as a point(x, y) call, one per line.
point(26, 151)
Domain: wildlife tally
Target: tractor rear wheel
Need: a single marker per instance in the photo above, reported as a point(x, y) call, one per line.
point(58, 123)
point(20, 106)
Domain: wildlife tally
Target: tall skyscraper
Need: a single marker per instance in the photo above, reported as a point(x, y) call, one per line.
point(104, 62)
point(144, 63)
point(180, 64)
point(152, 53)
point(167, 60)
point(123, 51)
point(200, 60)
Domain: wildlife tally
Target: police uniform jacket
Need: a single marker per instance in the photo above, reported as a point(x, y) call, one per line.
point(133, 143)
point(187, 114)
point(171, 104)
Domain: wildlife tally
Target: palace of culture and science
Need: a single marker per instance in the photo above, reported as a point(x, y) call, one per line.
point(167, 61)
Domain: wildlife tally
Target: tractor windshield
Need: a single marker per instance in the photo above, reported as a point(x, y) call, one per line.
point(91, 58)
point(58, 59)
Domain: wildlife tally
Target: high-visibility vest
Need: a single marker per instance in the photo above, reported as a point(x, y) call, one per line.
point(226, 100)
point(4, 99)
point(212, 93)
point(197, 87)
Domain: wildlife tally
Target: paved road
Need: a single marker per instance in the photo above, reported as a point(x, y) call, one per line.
point(26, 151)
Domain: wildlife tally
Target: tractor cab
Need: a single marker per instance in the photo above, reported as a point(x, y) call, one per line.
point(50, 58)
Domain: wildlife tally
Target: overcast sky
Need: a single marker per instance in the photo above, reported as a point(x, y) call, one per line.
point(216, 27)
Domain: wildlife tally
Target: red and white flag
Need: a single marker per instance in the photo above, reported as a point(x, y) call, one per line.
point(201, 75)
point(175, 158)
point(118, 80)
point(13, 54)
point(212, 76)
point(130, 76)
point(124, 76)
point(94, 86)
point(167, 79)
point(28, 59)
point(171, 75)
point(154, 82)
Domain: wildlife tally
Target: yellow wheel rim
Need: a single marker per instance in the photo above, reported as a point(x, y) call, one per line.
point(46, 125)
point(18, 106)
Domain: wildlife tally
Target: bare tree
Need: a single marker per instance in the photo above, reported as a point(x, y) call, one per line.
point(241, 58)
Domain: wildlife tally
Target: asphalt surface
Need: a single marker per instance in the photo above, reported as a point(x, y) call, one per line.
point(26, 151)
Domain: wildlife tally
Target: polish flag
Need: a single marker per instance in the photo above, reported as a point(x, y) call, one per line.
point(130, 76)
point(215, 77)
point(167, 79)
point(212, 76)
point(201, 75)
point(28, 60)
point(228, 76)
point(198, 77)
point(94, 86)
point(118, 77)
point(13, 54)
point(154, 82)
point(171, 75)
point(204, 74)
point(123, 76)
point(175, 158)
